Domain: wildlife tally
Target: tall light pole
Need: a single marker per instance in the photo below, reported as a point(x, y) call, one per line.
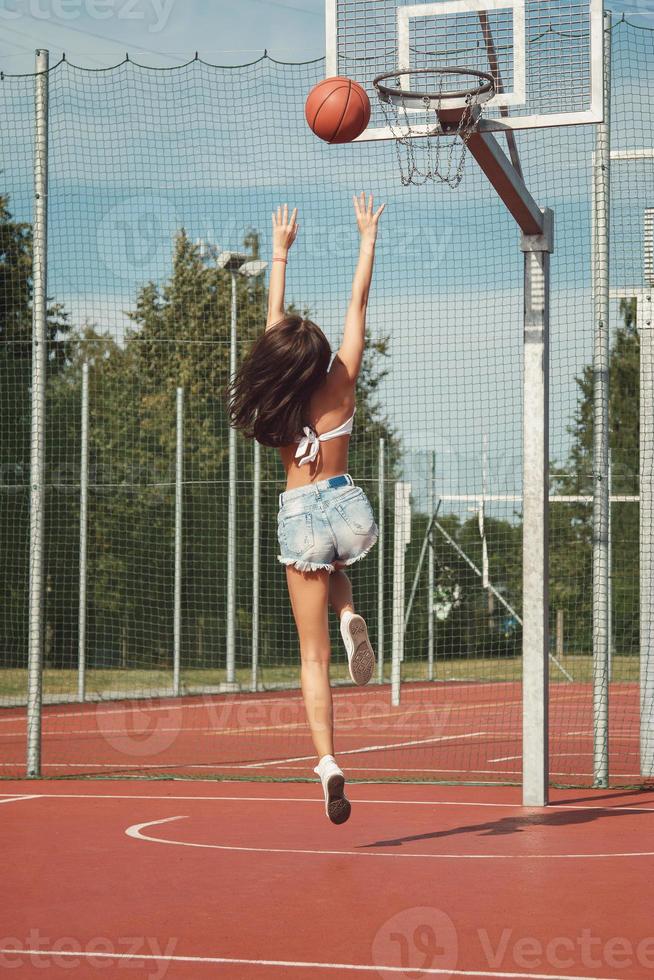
point(236, 263)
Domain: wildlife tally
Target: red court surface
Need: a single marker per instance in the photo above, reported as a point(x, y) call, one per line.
point(441, 731)
point(250, 881)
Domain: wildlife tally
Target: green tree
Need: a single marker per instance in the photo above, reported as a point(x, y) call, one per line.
point(571, 524)
point(16, 290)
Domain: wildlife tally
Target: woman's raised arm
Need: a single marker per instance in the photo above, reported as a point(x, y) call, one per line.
point(285, 231)
point(351, 350)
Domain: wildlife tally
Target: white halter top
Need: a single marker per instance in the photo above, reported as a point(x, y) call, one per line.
point(309, 443)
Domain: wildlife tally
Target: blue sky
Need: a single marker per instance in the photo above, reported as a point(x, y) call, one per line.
point(161, 32)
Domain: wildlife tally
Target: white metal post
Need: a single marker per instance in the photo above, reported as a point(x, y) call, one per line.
point(179, 543)
point(401, 537)
point(380, 561)
point(601, 356)
point(646, 333)
point(430, 572)
point(535, 515)
point(256, 564)
point(37, 447)
point(83, 536)
point(609, 548)
point(231, 509)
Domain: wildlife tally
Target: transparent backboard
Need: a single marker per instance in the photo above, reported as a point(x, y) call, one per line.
point(545, 55)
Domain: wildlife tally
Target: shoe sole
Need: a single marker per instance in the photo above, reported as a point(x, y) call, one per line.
point(362, 661)
point(338, 806)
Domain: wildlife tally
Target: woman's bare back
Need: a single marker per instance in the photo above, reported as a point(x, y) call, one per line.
point(330, 406)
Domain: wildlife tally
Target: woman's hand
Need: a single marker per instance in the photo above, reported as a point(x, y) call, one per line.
point(367, 217)
point(285, 230)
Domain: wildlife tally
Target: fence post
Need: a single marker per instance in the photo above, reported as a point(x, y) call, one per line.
point(37, 446)
point(83, 536)
point(601, 355)
point(230, 658)
point(256, 565)
point(430, 572)
point(380, 561)
point(401, 537)
point(179, 543)
point(646, 333)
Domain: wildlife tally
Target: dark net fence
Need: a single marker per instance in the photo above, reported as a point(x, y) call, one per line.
point(162, 651)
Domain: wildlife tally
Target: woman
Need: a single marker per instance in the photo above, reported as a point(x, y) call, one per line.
point(287, 395)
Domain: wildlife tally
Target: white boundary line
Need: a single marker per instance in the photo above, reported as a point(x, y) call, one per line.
point(312, 800)
point(203, 701)
point(136, 831)
point(18, 799)
point(366, 748)
point(295, 964)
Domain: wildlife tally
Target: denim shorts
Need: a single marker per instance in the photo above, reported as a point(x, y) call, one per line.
point(325, 522)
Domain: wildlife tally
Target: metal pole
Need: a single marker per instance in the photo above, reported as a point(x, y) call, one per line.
point(601, 355)
point(401, 537)
point(37, 448)
point(231, 511)
point(380, 562)
point(535, 515)
point(179, 514)
point(646, 333)
point(430, 574)
point(256, 564)
point(609, 539)
point(83, 536)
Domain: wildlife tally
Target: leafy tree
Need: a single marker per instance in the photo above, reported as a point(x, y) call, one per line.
point(571, 524)
point(16, 289)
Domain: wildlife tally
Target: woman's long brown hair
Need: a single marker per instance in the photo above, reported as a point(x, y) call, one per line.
point(269, 396)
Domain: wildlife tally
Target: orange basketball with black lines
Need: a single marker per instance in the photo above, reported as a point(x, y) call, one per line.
point(338, 110)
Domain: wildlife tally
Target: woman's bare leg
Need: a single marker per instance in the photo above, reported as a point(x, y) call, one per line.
point(309, 592)
point(340, 593)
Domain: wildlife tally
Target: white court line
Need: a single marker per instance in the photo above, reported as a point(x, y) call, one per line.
point(17, 799)
point(397, 715)
point(296, 964)
point(367, 748)
point(312, 800)
point(222, 701)
point(136, 831)
point(172, 767)
point(506, 758)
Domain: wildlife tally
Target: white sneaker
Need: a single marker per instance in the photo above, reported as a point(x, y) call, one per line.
point(360, 654)
point(337, 806)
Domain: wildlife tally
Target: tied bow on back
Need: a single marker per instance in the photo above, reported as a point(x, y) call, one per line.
point(309, 444)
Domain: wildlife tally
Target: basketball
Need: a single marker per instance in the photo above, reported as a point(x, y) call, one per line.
point(338, 110)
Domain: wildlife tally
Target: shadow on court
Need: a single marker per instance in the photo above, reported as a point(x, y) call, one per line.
point(507, 826)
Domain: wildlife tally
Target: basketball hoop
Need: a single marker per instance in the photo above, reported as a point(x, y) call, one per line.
point(457, 111)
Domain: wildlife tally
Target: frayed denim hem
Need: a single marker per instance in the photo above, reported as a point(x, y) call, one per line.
point(353, 561)
point(306, 566)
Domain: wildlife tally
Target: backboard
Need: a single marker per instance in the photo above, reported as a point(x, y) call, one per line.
point(546, 55)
